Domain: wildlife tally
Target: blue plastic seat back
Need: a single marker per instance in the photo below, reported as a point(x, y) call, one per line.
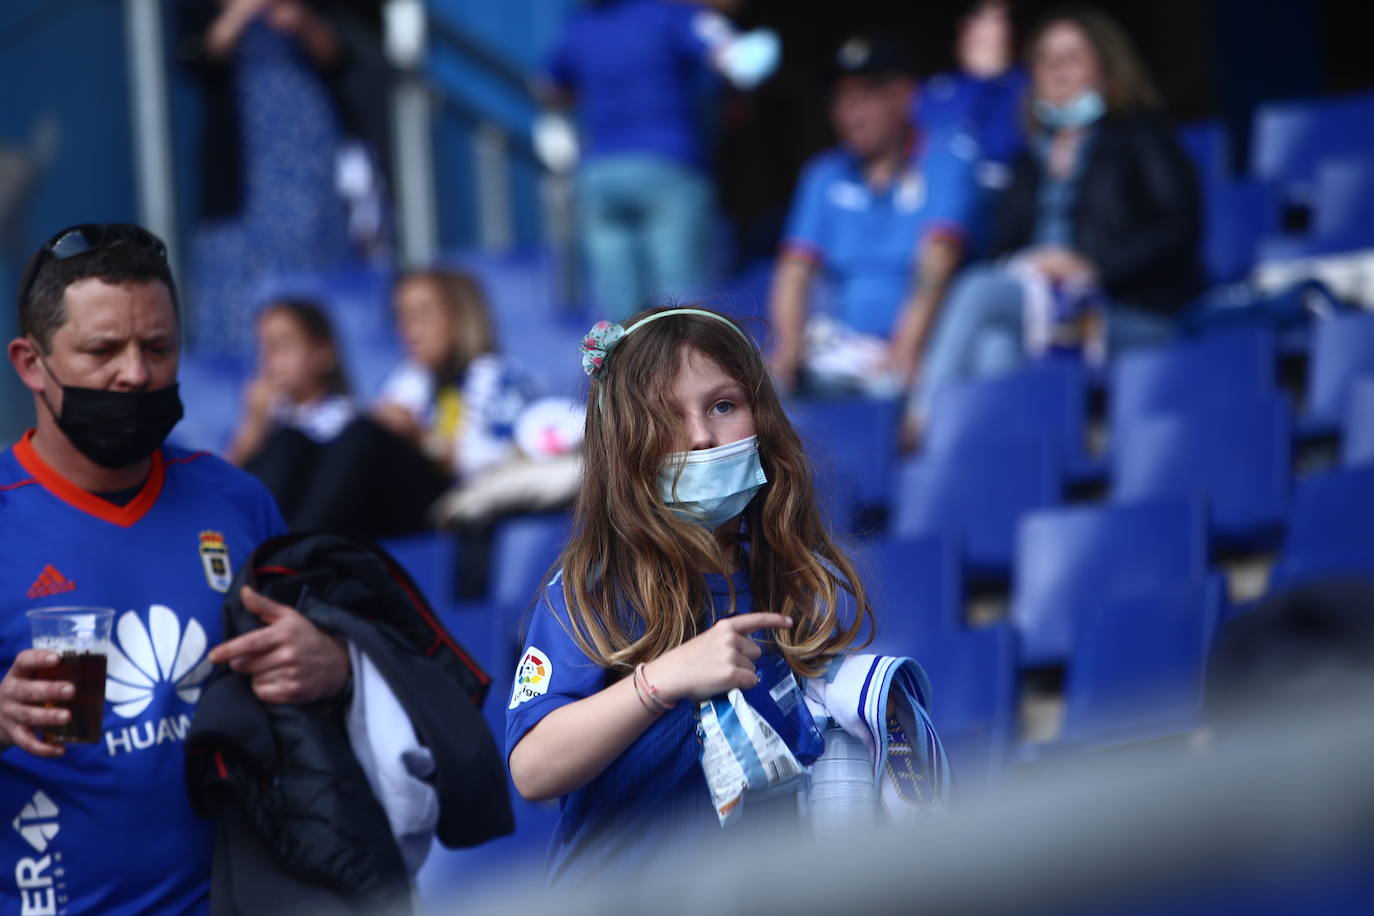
point(972, 675)
point(1342, 351)
point(1207, 147)
point(525, 548)
point(1344, 198)
point(1045, 400)
point(1357, 435)
point(914, 586)
point(979, 496)
point(1291, 137)
point(1237, 216)
point(1138, 662)
point(1239, 458)
point(1220, 368)
point(1329, 531)
point(210, 390)
point(852, 443)
point(1067, 558)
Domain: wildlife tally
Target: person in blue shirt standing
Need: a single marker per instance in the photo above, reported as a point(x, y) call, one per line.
point(979, 106)
point(697, 527)
point(636, 69)
point(95, 510)
point(884, 217)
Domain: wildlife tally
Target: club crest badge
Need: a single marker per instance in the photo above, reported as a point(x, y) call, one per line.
point(531, 676)
point(214, 556)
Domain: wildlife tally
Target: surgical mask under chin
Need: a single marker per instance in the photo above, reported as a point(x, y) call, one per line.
point(1080, 111)
point(116, 428)
point(714, 485)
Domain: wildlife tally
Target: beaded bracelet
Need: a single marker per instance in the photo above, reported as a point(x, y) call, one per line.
point(655, 703)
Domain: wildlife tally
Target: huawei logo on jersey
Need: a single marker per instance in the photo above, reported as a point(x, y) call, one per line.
point(146, 656)
point(50, 582)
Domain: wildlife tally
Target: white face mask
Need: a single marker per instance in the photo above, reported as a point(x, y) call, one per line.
point(715, 484)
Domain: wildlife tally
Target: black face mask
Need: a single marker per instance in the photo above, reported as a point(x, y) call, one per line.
point(117, 428)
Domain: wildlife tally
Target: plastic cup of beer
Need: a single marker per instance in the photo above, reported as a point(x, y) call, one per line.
point(81, 638)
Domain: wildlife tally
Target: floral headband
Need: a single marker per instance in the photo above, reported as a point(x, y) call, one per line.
point(604, 336)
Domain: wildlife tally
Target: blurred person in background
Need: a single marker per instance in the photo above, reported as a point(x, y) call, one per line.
point(446, 412)
point(271, 131)
point(884, 217)
point(980, 105)
point(636, 70)
point(1098, 232)
point(296, 405)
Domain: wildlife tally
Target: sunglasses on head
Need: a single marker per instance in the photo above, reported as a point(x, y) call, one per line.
point(75, 240)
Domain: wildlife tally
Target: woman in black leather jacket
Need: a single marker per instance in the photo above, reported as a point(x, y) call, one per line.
point(1097, 235)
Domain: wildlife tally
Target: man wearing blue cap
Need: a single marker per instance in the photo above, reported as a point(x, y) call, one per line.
point(883, 218)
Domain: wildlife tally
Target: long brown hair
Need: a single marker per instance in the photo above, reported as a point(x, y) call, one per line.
point(473, 330)
point(1126, 83)
point(632, 571)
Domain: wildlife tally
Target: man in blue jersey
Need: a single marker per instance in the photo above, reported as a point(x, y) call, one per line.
point(94, 510)
point(884, 219)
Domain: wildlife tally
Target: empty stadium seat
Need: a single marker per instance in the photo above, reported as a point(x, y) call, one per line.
point(917, 598)
point(1357, 432)
point(1068, 558)
point(1290, 138)
point(852, 443)
point(1138, 663)
point(1237, 216)
point(211, 389)
point(1218, 369)
point(914, 586)
point(1050, 400)
point(1329, 529)
point(1239, 458)
point(978, 496)
point(1342, 351)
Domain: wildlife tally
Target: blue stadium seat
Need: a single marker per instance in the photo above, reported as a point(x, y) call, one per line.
point(914, 586)
point(1138, 662)
point(1069, 558)
point(211, 389)
point(524, 549)
point(1357, 433)
point(852, 443)
point(1237, 216)
point(1220, 368)
point(1329, 531)
point(1239, 458)
point(1208, 147)
point(1050, 399)
point(917, 596)
point(978, 496)
point(1290, 138)
point(1342, 351)
point(972, 673)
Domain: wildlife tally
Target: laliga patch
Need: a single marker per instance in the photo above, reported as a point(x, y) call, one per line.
point(531, 676)
point(214, 556)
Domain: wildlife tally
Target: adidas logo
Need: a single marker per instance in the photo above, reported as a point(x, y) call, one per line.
point(145, 656)
point(37, 823)
point(50, 582)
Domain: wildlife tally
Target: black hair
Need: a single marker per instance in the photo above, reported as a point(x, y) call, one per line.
point(43, 310)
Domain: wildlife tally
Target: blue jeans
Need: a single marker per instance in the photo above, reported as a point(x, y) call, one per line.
point(980, 331)
point(645, 222)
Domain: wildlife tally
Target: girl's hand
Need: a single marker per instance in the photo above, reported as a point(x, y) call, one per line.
point(713, 662)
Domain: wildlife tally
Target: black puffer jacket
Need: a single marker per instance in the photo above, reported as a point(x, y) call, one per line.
point(298, 822)
point(1137, 216)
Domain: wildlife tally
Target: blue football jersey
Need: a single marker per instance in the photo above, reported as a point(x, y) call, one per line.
point(107, 828)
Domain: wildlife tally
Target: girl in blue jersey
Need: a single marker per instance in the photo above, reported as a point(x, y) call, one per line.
point(698, 545)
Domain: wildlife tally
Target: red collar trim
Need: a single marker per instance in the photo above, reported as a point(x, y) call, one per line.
point(77, 498)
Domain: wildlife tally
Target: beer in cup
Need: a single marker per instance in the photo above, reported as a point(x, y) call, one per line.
point(81, 638)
